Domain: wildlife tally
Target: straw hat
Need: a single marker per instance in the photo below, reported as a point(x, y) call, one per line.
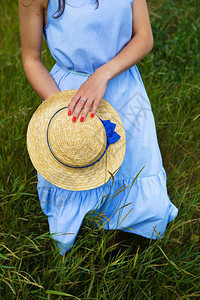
point(75, 155)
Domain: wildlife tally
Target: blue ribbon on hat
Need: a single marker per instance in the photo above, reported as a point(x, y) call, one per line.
point(112, 137)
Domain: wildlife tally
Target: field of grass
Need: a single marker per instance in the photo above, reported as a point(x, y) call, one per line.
point(30, 266)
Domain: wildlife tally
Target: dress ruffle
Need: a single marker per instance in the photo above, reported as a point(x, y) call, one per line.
point(145, 197)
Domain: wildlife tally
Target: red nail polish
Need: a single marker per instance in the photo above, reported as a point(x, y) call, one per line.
point(92, 115)
point(81, 119)
point(69, 112)
point(74, 119)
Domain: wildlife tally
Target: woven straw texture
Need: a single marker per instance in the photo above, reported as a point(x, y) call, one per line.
point(75, 144)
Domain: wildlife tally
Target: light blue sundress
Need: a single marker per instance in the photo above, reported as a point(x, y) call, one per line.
point(82, 40)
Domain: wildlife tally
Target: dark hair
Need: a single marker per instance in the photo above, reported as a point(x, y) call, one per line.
point(61, 7)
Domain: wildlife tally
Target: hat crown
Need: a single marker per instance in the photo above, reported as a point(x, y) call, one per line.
point(76, 144)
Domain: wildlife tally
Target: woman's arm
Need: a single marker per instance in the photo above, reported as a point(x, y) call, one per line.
point(31, 33)
point(138, 47)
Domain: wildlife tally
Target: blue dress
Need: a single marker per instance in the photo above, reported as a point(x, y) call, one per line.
point(82, 40)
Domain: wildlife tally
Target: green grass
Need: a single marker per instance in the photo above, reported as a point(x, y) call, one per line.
point(30, 266)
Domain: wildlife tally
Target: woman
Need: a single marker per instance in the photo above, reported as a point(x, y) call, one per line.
point(96, 50)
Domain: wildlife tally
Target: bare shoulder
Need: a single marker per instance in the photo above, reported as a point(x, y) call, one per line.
point(31, 18)
point(141, 19)
point(29, 9)
point(33, 4)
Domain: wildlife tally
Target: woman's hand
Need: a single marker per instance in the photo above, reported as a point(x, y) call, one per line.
point(93, 90)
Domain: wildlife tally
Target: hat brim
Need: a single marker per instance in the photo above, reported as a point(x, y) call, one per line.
point(74, 179)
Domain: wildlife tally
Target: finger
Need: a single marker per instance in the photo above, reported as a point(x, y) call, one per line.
point(86, 109)
point(94, 107)
point(78, 109)
point(73, 102)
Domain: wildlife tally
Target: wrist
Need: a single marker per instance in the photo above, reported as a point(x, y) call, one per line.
point(105, 71)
